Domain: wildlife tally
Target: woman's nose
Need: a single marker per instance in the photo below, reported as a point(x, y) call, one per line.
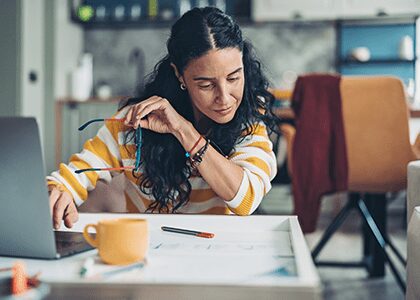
point(222, 94)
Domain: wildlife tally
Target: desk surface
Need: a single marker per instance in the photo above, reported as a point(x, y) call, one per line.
point(249, 257)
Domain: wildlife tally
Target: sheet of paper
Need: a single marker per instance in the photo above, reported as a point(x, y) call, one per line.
point(251, 258)
point(194, 269)
point(222, 270)
point(275, 243)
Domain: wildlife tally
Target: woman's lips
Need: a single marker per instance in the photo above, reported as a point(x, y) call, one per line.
point(224, 111)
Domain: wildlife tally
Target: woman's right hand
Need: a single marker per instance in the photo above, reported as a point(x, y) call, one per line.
point(156, 114)
point(62, 207)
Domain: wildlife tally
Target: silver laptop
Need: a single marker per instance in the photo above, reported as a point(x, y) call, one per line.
point(25, 219)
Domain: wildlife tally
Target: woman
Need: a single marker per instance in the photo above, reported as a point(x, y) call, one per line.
point(203, 118)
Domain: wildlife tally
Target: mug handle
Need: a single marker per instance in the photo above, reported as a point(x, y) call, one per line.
point(92, 241)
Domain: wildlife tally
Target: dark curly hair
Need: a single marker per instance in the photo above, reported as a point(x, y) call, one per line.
point(165, 169)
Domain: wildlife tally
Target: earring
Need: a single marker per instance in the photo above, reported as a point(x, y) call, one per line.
point(182, 86)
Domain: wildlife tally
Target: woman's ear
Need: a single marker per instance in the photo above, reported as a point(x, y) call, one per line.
point(181, 80)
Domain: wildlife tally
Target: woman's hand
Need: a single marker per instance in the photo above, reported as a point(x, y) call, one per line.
point(62, 207)
point(156, 114)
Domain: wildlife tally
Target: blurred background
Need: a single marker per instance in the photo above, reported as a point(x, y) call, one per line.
point(67, 61)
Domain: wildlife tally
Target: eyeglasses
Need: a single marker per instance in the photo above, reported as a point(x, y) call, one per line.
point(138, 141)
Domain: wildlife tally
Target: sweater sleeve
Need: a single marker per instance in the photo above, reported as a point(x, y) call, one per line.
point(255, 155)
point(102, 151)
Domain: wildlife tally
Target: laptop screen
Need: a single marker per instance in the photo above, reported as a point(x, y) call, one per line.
point(25, 220)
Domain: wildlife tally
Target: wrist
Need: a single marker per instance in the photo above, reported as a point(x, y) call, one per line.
point(189, 138)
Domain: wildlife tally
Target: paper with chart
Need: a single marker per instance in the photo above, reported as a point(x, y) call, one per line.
point(224, 243)
point(252, 258)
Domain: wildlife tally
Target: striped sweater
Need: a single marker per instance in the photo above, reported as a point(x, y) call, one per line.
point(110, 149)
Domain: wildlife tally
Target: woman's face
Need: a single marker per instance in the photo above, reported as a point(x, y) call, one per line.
point(215, 83)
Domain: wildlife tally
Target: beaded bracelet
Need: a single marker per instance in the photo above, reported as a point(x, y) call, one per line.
point(198, 157)
point(188, 153)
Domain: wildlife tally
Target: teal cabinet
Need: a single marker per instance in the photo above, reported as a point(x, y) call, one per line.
point(383, 40)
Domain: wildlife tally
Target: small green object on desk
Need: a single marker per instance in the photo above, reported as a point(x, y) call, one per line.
point(86, 267)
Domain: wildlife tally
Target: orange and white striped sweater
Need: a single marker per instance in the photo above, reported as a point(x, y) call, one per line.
point(108, 149)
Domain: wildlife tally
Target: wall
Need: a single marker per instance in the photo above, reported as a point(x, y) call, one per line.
point(22, 53)
point(63, 44)
point(111, 51)
point(37, 36)
point(281, 47)
point(32, 61)
point(49, 118)
point(68, 44)
point(10, 13)
point(286, 48)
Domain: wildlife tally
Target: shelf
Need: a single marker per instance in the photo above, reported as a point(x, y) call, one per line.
point(72, 101)
point(397, 19)
point(143, 23)
point(118, 14)
point(378, 61)
point(115, 24)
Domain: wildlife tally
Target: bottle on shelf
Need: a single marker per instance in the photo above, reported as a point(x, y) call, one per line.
point(406, 50)
point(82, 78)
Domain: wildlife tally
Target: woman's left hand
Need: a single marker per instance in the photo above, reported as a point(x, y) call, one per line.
point(156, 114)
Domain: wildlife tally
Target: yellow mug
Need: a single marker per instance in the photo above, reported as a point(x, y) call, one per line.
point(119, 241)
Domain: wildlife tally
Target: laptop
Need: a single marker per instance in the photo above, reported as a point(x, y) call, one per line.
point(26, 228)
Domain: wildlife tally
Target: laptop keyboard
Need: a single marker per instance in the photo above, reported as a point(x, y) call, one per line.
point(68, 243)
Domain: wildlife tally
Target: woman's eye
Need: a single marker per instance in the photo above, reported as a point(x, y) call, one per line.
point(205, 86)
point(233, 79)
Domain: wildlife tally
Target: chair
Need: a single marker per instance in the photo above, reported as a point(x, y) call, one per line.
point(413, 233)
point(375, 119)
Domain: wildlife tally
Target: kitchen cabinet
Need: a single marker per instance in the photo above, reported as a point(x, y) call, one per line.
point(70, 114)
point(284, 10)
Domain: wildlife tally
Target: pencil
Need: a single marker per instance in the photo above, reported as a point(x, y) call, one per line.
point(207, 235)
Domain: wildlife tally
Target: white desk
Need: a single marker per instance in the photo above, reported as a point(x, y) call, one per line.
point(255, 257)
